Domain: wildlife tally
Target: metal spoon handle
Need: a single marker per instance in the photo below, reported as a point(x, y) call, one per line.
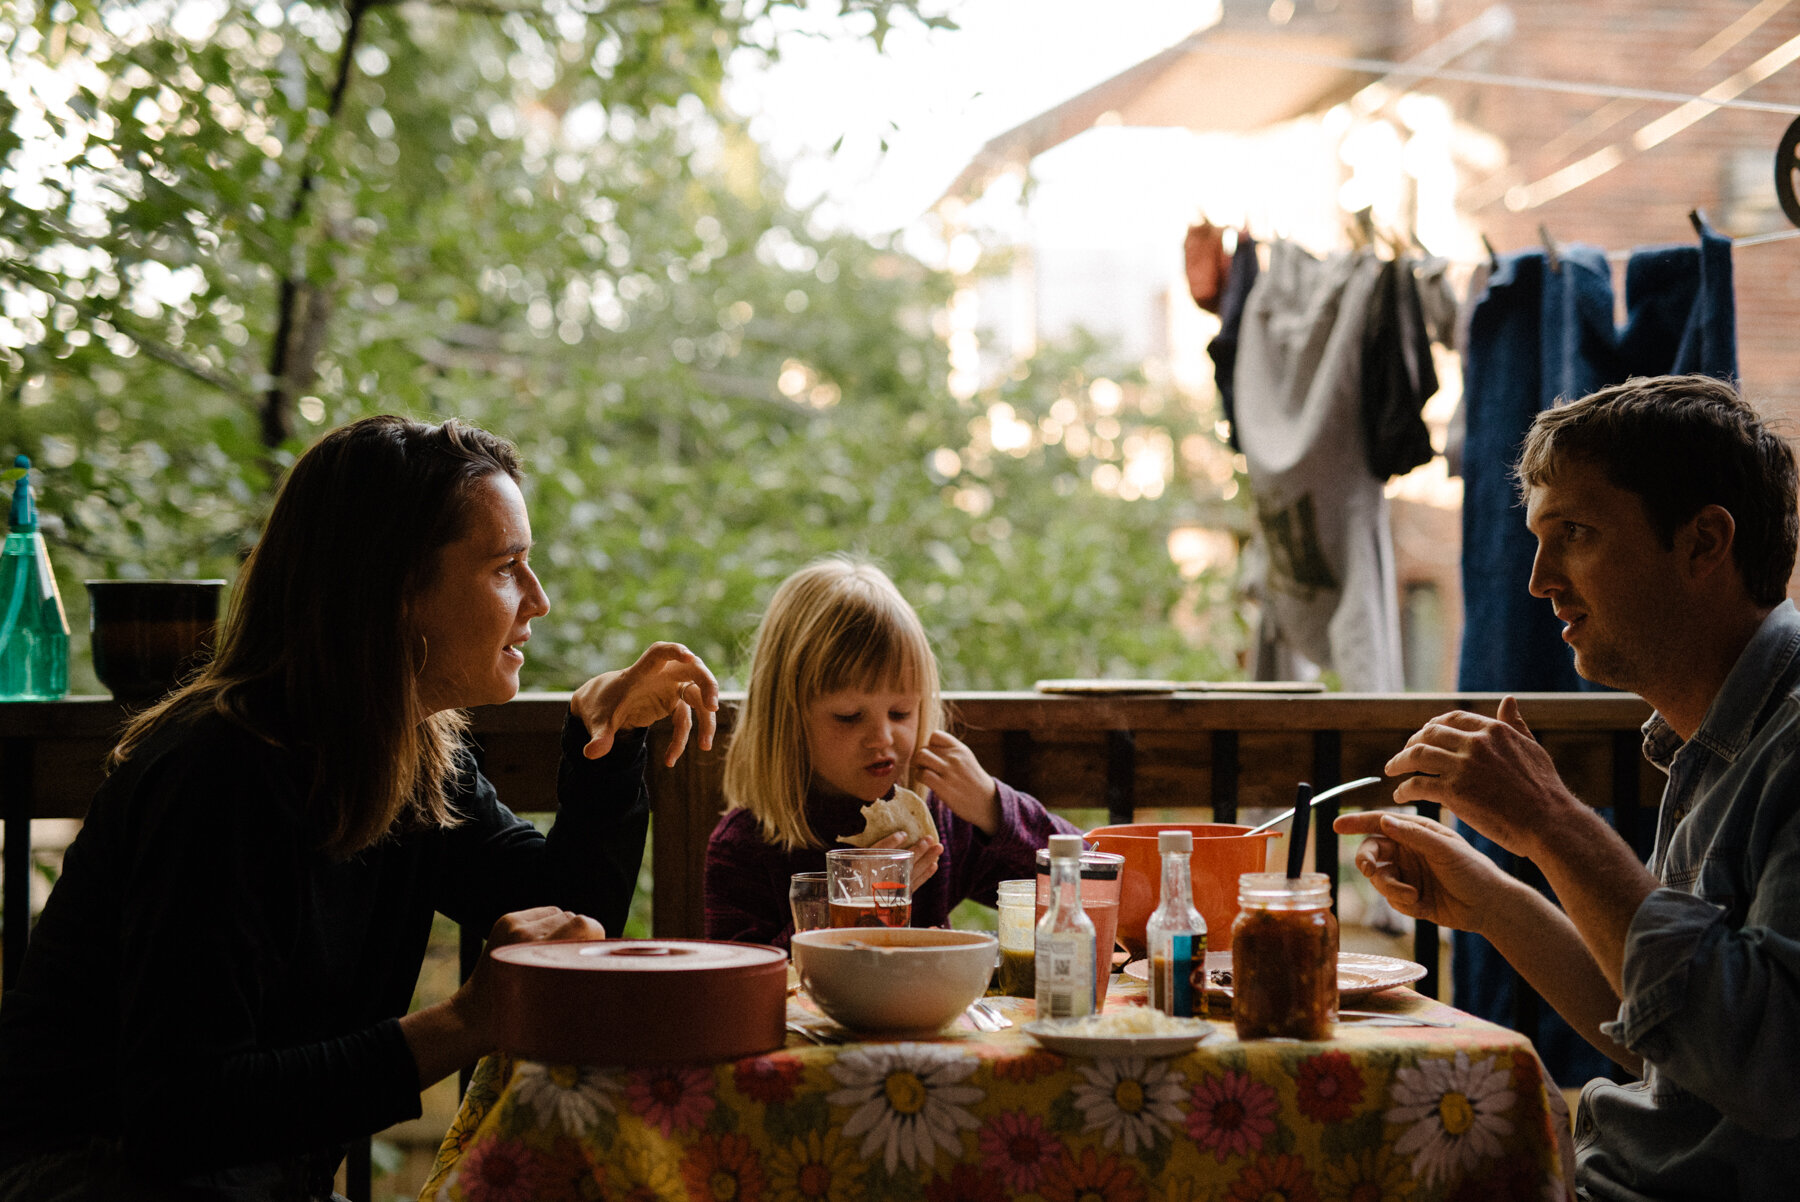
point(1325, 796)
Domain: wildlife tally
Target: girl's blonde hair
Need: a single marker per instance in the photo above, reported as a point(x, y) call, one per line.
point(838, 623)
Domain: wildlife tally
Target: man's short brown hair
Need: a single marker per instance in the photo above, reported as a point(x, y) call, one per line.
point(1682, 443)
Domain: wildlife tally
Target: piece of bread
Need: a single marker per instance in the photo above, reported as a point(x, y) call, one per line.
point(904, 811)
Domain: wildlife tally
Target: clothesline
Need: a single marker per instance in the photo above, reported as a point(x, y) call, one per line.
point(1372, 66)
point(1621, 256)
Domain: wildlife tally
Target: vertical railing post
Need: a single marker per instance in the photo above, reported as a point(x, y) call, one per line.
point(1121, 777)
point(1425, 934)
point(1018, 761)
point(1224, 775)
point(359, 1171)
point(1627, 763)
point(17, 763)
point(1328, 756)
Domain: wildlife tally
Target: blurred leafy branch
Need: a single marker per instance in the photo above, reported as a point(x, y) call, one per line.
point(227, 228)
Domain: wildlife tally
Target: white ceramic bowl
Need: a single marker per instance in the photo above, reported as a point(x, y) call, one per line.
point(894, 980)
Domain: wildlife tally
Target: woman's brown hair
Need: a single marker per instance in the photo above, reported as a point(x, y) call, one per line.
point(318, 654)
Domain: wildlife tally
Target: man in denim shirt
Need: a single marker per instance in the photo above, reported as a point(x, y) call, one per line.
point(1665, 517)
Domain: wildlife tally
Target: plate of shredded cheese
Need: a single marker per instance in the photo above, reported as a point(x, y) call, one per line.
point(1131, 1031)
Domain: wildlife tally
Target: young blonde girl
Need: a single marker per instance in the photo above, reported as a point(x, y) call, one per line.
point(843, 705)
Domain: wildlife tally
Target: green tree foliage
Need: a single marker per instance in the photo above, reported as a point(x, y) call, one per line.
point(229, 227)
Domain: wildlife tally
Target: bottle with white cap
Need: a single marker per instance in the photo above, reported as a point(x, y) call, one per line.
point(1176, 934)
point(1065, 938)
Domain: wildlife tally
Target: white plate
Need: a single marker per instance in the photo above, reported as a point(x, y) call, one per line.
point(1054, 1036)
point(1359, 974)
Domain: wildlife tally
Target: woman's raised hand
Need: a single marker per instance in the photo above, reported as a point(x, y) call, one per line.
point(668, 680)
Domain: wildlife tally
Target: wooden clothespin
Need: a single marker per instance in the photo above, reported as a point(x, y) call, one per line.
point(1550, 252)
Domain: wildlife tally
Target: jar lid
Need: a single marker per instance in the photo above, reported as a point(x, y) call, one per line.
point(1276, 888)
point(1168, 841)
point(1095, 865)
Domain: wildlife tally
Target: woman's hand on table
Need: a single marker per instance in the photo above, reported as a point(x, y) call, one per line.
point(667, 681)
point(460, 1030)
point(1424, 869)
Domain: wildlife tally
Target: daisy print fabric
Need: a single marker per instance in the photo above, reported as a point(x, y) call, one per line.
point(1415, 1114)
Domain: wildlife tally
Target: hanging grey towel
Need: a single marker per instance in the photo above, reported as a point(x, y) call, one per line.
point(1322, 516)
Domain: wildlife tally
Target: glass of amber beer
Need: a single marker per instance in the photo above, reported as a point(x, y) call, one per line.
point(869, 887)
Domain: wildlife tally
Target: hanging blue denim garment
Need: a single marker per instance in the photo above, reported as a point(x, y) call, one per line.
point(1535, 336)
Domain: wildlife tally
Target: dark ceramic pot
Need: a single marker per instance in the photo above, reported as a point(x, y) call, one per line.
point(149, 635)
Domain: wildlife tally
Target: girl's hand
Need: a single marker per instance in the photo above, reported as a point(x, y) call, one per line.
point(925, 855)
point(667, 680)
point(948, 768)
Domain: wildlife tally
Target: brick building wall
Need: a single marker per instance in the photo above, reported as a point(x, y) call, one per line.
point(1723, 164)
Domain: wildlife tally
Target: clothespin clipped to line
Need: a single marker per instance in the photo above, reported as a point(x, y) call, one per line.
point(1550, 252)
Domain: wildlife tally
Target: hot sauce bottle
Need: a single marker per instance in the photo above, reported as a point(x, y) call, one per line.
point(1176, 934)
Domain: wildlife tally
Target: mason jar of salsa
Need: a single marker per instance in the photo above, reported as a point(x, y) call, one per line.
point(1284, 951)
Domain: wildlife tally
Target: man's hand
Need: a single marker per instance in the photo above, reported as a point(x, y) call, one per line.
point(667, 680)
point(1424, 869)
point(1490, 772)
point(948, 768)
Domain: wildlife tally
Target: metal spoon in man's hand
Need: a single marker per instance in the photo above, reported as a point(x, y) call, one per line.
point(1325, 796)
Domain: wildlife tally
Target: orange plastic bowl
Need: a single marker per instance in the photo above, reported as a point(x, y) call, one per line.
point(1222, 853)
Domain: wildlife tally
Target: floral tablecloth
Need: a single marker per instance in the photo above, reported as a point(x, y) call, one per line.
point(1415, 1113)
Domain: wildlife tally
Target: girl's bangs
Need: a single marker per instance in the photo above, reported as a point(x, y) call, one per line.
point(871, 659)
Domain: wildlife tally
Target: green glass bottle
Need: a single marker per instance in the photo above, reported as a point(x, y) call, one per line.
point(34, 629)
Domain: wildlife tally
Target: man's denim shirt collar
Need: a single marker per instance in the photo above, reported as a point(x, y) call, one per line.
point(1760, 673)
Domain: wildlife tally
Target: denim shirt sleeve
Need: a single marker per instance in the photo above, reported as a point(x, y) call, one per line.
point(1711, 996)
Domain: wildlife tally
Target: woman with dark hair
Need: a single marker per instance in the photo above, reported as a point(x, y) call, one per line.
point(216, 996)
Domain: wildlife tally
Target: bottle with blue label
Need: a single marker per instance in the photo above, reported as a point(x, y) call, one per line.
point(1176, 934)
point(34, 629)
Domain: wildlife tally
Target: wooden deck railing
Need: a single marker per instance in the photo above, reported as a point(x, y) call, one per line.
point(1213, 754)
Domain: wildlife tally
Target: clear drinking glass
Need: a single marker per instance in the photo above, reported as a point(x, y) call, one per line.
point(869, 887)
point(809, 900)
